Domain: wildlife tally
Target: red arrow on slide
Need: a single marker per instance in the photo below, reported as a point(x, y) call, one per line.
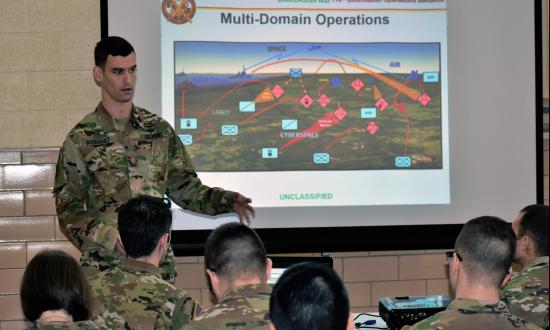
point(329, 120)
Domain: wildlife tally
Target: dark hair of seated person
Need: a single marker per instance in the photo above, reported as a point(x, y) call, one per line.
point(234, 250)
point(309, 296)
point(488, 244)
point(534, 223)
point(141, 223)
point(53, 280)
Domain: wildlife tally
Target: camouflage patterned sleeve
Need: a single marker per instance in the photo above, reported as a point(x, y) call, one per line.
point(526, 294)
point(112, 320)
point(187, 190)
point(71, 195)
point(186, 309)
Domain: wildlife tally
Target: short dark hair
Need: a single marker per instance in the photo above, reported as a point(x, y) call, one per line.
point(309, 295)
point(235, 251)
point(141, 223)
point(534, 223)
point(53, 280)
point(114, 46)
point(487, 246)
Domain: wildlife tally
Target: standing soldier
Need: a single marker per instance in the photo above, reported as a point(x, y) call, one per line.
point(120, 151)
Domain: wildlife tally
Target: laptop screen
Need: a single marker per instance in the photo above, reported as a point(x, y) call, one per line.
point(280, 264)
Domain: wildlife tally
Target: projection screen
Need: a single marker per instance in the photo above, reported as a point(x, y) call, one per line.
point(372, 117)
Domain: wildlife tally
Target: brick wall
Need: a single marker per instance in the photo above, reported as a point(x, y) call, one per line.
point(45, 69)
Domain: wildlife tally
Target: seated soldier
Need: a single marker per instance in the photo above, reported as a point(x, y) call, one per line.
point(527, 292)
point(237, 270)
point(480, 264)
point(310, 296)
point(135, 290)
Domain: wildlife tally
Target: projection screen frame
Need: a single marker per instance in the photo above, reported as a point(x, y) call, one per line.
point(368, 238)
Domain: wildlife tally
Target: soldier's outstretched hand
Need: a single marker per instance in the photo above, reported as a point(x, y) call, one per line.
point(241, 206)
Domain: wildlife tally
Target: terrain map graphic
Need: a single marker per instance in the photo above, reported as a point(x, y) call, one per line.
point(309, 106)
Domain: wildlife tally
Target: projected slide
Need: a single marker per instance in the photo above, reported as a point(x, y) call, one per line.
point(311, 103)
point(301, 106)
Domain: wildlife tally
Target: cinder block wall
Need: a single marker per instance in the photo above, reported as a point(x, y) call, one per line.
point(45, 88)
point(45, 69)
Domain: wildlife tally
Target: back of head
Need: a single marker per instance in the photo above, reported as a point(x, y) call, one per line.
point(309, 296)
point(534, 223)
point(141, 223)
point(114, 46)
point(53, 280)
point(486, 245)
point(235, 252)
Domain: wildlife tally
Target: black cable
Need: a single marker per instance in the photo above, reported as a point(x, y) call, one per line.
point(367, 314)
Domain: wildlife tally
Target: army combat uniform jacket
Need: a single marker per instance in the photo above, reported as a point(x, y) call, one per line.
point(473, 314)
point(245, 307)
point(526, 294)
point(97, 323)
point(135, 292)
point(81, 325)
point(103, 163)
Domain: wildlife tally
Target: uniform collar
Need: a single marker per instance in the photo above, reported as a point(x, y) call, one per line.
point(478, 306)
point(536, 262)
point(139, 266)
point(106, 120)
point(246, 291)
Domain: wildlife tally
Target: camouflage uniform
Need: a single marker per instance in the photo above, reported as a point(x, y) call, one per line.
point(245, 307)
point(473, 314)
point(102, 164)
point(96, 322)
point(135, 292)
point(526, 294)
point(81, 325)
